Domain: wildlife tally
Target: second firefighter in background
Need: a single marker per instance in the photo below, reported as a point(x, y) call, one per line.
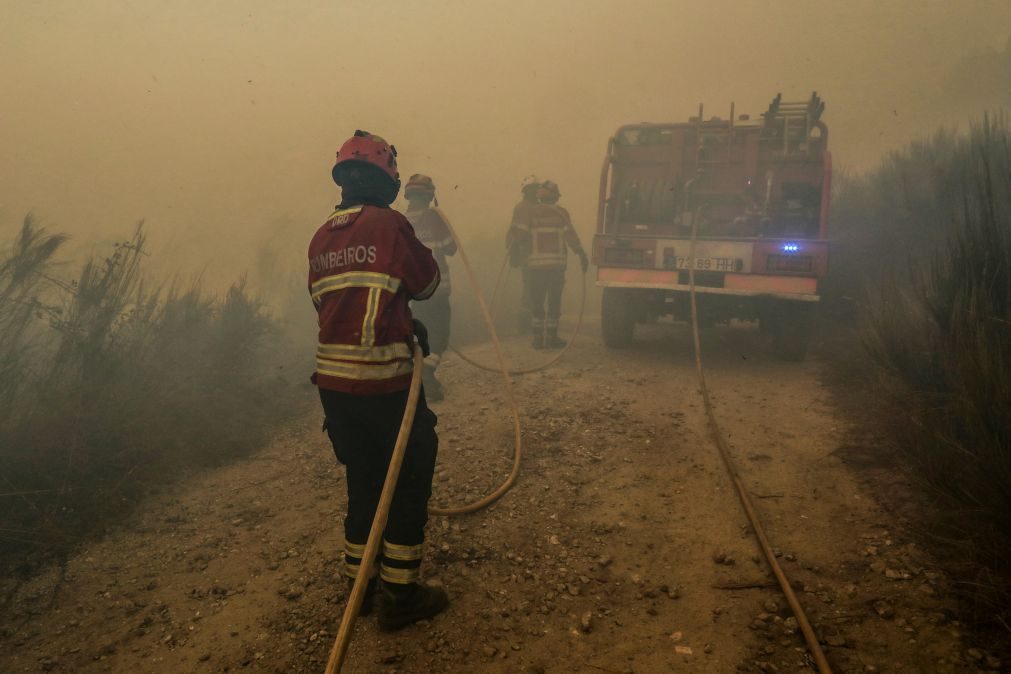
point(545, 233)
point(431, 229)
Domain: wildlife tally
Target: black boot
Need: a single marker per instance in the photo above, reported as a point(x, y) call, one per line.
point(368, 601)
point(553, 341)
point(403, 605)
point(538, 340)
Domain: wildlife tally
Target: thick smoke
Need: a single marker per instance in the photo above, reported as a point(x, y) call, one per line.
point(217, 122)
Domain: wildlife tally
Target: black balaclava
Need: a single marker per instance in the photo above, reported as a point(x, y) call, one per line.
point(421, 199)
point(366, 184)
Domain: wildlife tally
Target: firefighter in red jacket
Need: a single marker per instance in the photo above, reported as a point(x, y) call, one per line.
point(431, 228)
point(546, 232)
point(365, 265)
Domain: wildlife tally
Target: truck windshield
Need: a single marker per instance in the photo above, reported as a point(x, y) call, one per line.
point(792, 210)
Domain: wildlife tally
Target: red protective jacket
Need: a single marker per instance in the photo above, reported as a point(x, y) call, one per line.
point(546, 232)
point(365, 264)
point(431, 229)
point(518, 244)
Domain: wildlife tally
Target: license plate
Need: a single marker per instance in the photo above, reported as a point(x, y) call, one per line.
point(707, 263)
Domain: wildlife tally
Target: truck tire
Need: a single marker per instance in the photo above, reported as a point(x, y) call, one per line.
point(617, 318)
point(791, 326)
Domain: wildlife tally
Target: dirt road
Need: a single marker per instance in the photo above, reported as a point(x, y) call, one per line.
point(621, 549)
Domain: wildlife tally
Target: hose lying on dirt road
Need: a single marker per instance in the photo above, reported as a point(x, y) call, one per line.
point(798, 611)
point(535, 368)
point(343, 640)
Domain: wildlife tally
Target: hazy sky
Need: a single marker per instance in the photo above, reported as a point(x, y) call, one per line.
point(218, 121)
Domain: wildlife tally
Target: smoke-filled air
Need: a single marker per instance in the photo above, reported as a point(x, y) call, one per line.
point(549, 337)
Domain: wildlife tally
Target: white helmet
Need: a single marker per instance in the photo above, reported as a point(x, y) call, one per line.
point(530, 182)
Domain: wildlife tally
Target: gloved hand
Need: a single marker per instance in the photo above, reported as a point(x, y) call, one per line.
point(421, 333)
point(584, 261)
point(518, 254)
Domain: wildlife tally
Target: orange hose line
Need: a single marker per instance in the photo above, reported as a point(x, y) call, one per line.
point(340, 646)
point(513, 407)
point(549, 362)
point(756, 524)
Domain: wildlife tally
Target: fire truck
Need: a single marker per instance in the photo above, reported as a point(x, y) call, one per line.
point(754, 196)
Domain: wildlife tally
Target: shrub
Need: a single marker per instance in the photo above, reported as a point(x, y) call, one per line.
point(120, 388)
point(938, 329)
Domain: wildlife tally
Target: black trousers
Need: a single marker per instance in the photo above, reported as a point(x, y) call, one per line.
point(525, 288)
point(523, 313)
point(546, 284)
point(363, 430)
point(436, 314)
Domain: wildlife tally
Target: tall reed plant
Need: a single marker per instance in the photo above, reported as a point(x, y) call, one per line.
point(936, 317)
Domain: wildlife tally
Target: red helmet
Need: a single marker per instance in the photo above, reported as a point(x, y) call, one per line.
point(366, 148)
point(419, 183)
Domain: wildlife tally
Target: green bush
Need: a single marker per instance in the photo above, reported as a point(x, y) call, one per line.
point(109, 387)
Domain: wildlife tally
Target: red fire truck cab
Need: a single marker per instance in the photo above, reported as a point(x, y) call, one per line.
point(756, 193)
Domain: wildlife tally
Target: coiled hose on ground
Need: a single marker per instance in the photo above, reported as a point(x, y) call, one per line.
point(550, 361)
point(503, 367)
point(721, 444)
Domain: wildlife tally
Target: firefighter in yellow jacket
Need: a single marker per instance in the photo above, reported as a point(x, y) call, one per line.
point(547, 233)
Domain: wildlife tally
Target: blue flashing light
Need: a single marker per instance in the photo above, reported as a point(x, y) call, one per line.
point(791, 247)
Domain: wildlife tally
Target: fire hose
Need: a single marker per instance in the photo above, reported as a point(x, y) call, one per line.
point(504, 370)
point(343, 639)
point(340, 646)
point(721, 443)
point(549, 362)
